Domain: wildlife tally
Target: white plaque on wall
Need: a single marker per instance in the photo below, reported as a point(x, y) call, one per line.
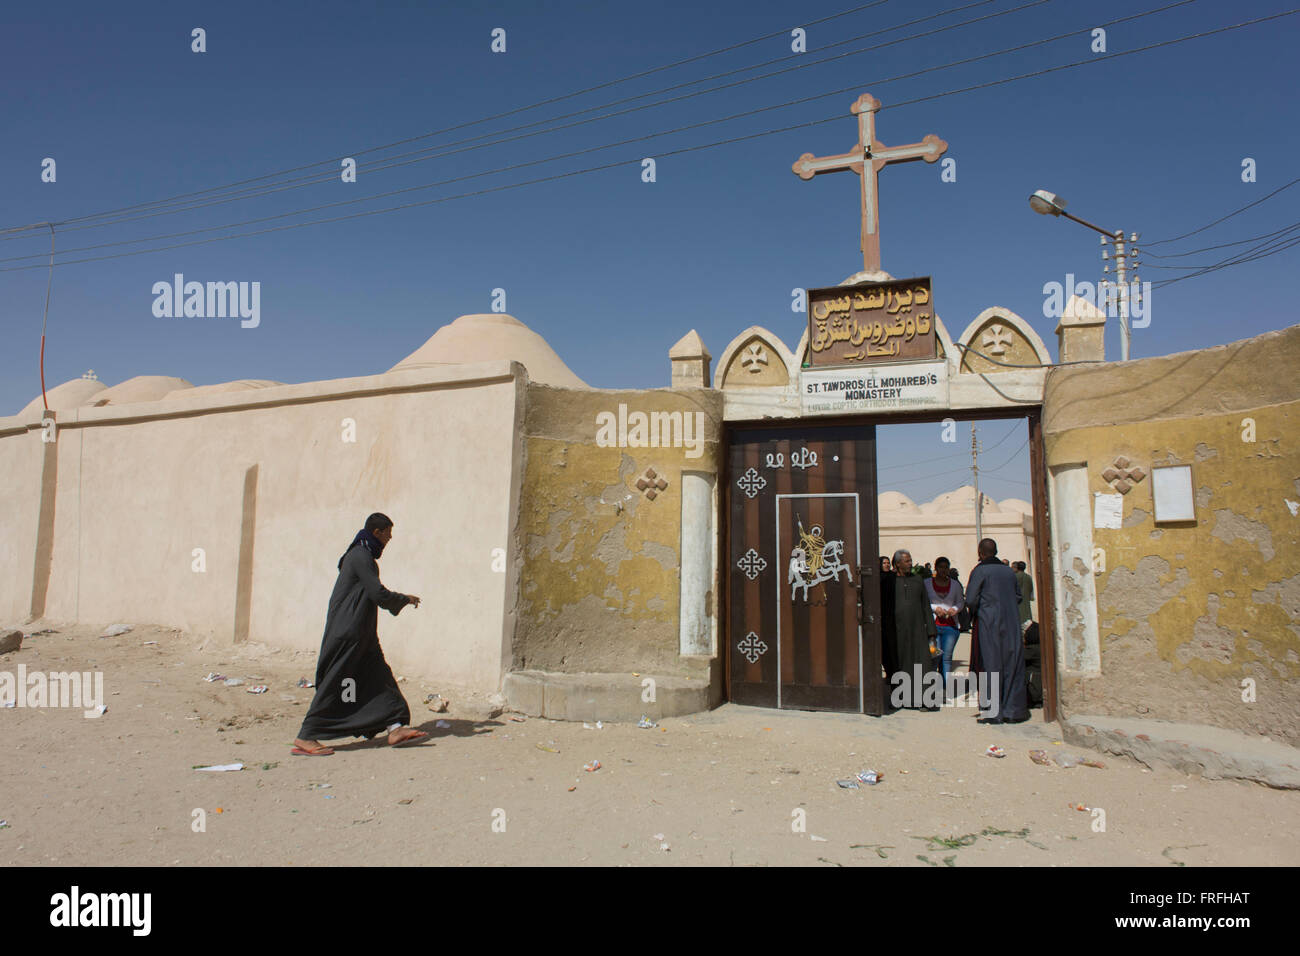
point(883, 388)
point(1171, 491)
point(1108, 511)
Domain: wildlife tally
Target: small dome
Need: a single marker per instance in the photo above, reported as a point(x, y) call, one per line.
point(1016, 504)
point(488, 337)
point(959, 502)
point(897, 502)
point(142, 388)
point(62, 397)
point(222, 388)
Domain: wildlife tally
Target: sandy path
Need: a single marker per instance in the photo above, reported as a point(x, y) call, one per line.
point(722, 788)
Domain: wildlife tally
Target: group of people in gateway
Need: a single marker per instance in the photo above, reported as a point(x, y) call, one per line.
point(923, 611)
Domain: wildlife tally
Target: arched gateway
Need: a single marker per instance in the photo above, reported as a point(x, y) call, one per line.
point(799, 523)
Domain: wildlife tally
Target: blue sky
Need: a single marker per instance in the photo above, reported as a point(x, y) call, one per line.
point(609, 269)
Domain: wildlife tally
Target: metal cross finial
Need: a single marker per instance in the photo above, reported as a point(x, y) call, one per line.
point(868, 148)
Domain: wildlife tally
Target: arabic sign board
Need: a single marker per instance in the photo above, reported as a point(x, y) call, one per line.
point(886, 388)
point(871, 324)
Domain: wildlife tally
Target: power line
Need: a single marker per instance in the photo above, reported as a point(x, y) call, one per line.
point(1222, 245)
point(1160, 242)
point(682, 150)
point(1250, 255)
point(444, 150)
point(503, 115)
point(581, 152)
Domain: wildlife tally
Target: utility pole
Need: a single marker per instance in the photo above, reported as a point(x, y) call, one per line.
point(975, 471)
point(1122, 256)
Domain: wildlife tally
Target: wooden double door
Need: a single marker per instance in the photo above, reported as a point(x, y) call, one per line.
point(803, 580)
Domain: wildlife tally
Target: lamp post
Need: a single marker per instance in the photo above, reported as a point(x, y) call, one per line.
point(1050, 204)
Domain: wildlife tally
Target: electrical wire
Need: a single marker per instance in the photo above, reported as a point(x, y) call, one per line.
point(1160, 242)
point(496, 116)
point(444, 150)
point(688, 149)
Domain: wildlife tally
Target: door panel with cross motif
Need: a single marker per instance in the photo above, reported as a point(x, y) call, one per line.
point(803, 581)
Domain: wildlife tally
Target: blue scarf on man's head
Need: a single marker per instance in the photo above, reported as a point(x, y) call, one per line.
point(367, 541)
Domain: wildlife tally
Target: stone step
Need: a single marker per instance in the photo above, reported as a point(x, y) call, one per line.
point(614, 697)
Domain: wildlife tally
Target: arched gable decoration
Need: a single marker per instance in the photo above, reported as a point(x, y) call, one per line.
point(1004, 336)
point(755, 357)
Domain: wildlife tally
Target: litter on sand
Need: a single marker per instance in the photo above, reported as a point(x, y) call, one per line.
point(869, 777)
point(221, 767)
point(848, 784)
point(645, 723)
point(817, 839)
point(591, 767)
point(304, 682)
point(113, 630)
point(259, 689)
point(517, 719)
point(213, 677)
point(995, 751)
point(549, 750)
point(1040, 757)
point(1074, 760)
point(147, 643)
point(436, 703)
point(442, 725)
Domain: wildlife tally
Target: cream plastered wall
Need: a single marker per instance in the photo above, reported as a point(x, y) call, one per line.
point(140, 487)
point(1188, 612)
point(600, 583)
point(926, 537)
point(21, 456)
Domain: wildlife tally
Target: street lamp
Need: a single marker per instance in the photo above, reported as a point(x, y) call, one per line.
point(1050, 204)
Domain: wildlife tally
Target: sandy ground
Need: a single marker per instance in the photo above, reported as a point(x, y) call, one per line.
point(723, 788)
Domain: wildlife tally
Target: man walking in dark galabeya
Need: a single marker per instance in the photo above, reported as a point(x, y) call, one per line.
point(356, 694)
point(993, 597)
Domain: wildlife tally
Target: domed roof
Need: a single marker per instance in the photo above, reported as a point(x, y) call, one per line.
point(487, 337)
point(62, 397)
point(961, 500)
point(1016, 504)
point(222, 388)
point(896, 501)
point(142, 388)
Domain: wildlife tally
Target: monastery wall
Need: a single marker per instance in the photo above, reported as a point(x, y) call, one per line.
point(22, 454)
point(1168, 621)
point(271, 485)
point(602, 582)
point(927, 537)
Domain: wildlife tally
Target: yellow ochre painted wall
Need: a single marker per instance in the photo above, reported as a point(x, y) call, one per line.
point(599, 586)
point(1188, 612)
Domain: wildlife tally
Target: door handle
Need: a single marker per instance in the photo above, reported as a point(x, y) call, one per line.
point(864, 571)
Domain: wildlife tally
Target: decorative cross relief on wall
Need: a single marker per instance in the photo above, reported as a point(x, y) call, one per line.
point(996, 340)
point(754, 358)
point(1121, 477)
point(752, 648)
point(651, 484)
point(752, 564)
point(751, 483)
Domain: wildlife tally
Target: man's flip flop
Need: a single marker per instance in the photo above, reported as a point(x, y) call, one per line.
point(418, 735)
point(322, 752)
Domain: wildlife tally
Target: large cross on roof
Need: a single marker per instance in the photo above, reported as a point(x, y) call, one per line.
point(868, 148)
